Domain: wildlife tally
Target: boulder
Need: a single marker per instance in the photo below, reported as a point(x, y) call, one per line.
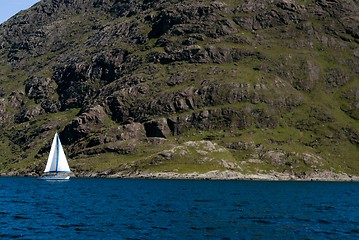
point(157, 128)
point(84, 124)
point(36, 88)
point(28, 114)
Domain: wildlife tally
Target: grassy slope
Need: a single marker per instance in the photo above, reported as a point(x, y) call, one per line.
point(283, 149)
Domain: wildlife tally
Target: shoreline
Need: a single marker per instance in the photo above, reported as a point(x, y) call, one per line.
point(231, 175)
point(326, 176)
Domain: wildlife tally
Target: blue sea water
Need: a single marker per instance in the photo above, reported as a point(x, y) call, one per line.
point(85, 208)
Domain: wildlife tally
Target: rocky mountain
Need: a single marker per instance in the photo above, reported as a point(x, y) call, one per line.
point(182, 86)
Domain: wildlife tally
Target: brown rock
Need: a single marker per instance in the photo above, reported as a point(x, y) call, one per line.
point(157, 128)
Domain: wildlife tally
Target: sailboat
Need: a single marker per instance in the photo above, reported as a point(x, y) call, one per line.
point(57, 167)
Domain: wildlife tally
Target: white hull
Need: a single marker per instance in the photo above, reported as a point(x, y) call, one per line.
point(54, 177)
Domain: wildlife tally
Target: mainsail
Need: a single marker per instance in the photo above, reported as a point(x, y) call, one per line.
point(57, 161)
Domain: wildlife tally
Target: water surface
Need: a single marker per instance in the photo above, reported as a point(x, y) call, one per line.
point(177, 209)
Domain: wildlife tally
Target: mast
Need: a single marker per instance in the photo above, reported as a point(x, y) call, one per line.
point(57, 151)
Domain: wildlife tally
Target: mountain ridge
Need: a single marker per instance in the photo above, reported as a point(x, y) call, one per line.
point(130, 84)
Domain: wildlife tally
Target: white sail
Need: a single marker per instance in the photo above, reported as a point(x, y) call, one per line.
point(57, 161)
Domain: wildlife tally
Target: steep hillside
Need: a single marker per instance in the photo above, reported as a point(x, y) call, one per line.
point(182, 86)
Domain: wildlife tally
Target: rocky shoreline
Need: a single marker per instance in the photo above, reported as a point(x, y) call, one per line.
point(326, 176)
point(231, 175)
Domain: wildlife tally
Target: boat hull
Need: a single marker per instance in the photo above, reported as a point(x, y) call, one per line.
point(54, 177)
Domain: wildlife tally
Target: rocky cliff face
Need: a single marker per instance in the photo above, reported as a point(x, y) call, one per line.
point(273, 82)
